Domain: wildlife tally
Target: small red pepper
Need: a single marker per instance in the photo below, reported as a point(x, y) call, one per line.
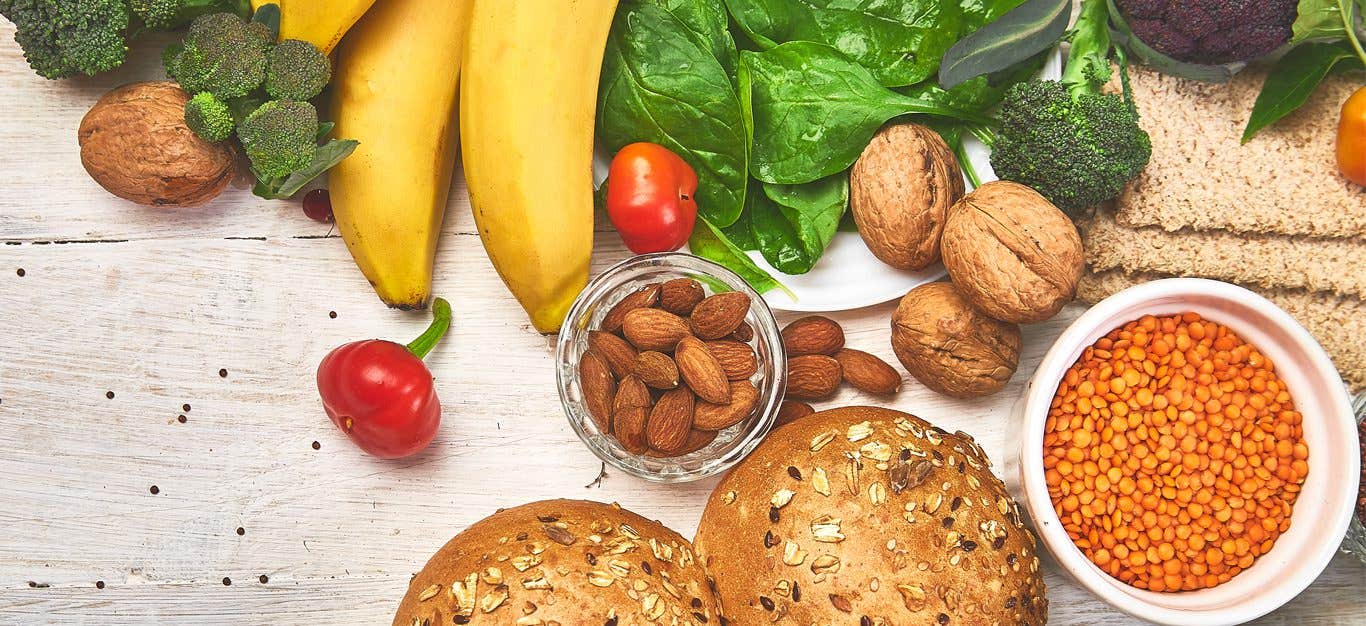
point(650, 198)
point(380, 393)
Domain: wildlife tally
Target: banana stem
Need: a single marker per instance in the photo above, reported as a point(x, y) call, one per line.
point(441, 322)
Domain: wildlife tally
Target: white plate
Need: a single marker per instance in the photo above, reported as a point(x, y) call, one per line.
point(848, 276)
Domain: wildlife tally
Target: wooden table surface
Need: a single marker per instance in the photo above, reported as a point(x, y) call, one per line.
point(117, 320)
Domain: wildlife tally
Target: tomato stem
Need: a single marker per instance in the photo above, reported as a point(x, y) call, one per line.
point(441, 321)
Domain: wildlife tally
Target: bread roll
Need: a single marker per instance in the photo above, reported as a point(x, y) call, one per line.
point(566, 562)
point(873, 517)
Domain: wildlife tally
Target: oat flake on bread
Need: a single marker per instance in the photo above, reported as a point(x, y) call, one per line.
point(869, 516)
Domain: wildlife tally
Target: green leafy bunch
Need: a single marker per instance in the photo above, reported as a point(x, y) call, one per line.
point(245, 83)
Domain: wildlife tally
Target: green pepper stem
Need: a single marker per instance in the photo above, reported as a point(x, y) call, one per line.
point(441, 321)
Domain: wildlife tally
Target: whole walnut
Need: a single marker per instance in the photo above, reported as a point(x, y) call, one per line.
point(900, 191)
point(952, 347)
point(1013, 254)
point(135, 144)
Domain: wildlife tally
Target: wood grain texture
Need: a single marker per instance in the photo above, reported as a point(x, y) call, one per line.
point(153, 319)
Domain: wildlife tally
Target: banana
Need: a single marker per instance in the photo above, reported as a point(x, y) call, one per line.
point(527, 107)
point(319, 22)
point(394, 90)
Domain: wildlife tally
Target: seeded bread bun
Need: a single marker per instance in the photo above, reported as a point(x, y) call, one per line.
point(567, 562)
point(873, 517)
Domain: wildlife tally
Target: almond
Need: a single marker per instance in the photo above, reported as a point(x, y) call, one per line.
point(812, 376)
point(644, 297)
point(595, 379)
point(743, 398)
point(697, 439)
point(631, 393)
point(654, 329)
point(814, 334)
point(719, 315)
point(629, 425)
point(701, 371)
point(670, 421)
point(680, 295)
point(737, 359)
point(657, 370)
point(868, 373)
point(618, 354)
point(743, 333)
point(790, 411)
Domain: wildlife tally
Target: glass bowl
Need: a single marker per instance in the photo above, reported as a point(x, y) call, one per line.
point(731, 444)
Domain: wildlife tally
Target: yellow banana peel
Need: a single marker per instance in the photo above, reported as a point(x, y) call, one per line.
point(527, 107)
point(394, 89)
point(319, 22)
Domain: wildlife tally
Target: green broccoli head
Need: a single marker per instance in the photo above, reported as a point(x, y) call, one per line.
point(296, 70)
point(172, 14)
point(63, 38)
point(222, 54)
point(209, 117)
point(280, 137)
point(1077, 148)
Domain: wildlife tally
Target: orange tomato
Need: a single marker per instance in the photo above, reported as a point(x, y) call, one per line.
point(1352, 138)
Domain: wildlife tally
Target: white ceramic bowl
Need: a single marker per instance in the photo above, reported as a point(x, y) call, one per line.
point(1325, 504)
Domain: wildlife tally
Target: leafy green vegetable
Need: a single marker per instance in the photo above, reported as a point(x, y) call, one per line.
point(899, 42)
point(1327, 19)
point(659, 84)
point(979, 13)
point(981, 93)
point(328, 155)
point(815, 111)
point(1292, 81)
point(1021, 33)
point(710, 26)
point(793, 224)
point(710, 243)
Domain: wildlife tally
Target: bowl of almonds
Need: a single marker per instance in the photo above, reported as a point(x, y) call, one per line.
point(671, 368)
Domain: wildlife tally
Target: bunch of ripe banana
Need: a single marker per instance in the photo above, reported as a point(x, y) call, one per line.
point(524, 76)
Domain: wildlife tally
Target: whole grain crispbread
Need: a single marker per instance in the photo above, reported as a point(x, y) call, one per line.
point(1338, 322)
point(1285, 181)
point(1267, 261)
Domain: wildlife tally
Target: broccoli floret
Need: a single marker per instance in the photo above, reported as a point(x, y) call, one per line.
point(209, 117)
point(296, 70)
point(222, 54)
point(63, 38)
point(280, 137)
point(1211, 31)
point(1077, 149)
point(172, 14)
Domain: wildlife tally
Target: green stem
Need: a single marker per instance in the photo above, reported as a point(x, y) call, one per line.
point(441, 321)
point(1350, 28)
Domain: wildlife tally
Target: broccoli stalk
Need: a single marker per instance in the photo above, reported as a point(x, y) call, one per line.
point(1069, 141)
point(172, 14)
point(63, 38)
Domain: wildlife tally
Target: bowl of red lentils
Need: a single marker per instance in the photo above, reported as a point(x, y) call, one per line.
point(1188, 453)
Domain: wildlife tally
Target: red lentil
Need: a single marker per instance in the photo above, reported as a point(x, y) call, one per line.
point(1173, 453)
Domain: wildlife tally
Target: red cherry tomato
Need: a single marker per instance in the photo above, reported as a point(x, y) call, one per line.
point(380, 393)
point(650, 198)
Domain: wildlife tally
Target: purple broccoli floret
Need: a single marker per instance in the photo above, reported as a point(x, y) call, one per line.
point(1211, 31)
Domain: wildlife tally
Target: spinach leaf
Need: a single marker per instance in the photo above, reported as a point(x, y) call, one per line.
point(815, 111)
point(709, 242)
point(793, 224)
point(710, 26)
point(899, 42)
point(1292, 81)
point(1327, 19)
point(979, 13)
point(659, 84)
point(981, 93)
point(1026, 30)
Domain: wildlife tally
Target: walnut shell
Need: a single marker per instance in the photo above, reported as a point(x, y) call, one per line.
point(900, 191)
point(135, 144)
point(1012, 253)
point(952, 347)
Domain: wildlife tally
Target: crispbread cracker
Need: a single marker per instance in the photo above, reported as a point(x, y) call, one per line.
point(1339, 323)
point(1268, 261)
point(1285, 181)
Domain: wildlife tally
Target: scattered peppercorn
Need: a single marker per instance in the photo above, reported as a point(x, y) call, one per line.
point(99, 584)
point(185, 408)
point(226, 581)
point(109, 394)
point(317, 446)
point(1173, 453)
point(155, 490)
point(264, 579)
point(332, 314)
point(20, 272)
point(241, 531)
point(222, 373)
point(181, 418)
